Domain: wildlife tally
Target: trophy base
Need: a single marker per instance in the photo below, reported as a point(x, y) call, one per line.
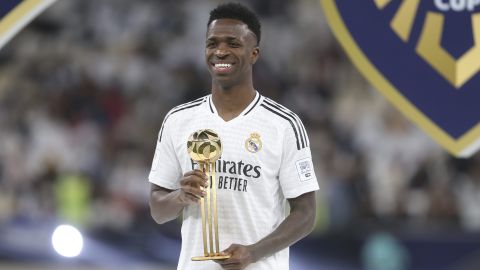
point(208, 258)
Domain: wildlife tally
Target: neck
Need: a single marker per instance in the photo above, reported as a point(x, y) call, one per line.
point(230, 102)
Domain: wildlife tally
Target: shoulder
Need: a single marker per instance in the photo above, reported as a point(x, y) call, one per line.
point(179, 112)
point(287, 119)
point(279, 113)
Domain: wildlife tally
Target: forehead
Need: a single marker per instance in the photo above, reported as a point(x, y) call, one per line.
point(228, 28)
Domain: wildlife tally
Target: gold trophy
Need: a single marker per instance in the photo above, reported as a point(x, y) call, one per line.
point(204, 147)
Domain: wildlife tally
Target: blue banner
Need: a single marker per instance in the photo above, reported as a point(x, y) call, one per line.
point(424, 56)
point(15, 14)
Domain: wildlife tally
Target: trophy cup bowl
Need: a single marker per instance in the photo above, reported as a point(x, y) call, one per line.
point(204, 146)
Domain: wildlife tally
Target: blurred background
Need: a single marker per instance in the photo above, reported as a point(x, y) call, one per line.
point(83, 92)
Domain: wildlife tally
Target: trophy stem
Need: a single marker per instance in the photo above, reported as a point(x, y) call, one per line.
point(215, 212)
point(204, 225)
point(209, 169)
point(209, 209)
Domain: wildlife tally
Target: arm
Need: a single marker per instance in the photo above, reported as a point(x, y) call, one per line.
point(298, 224)
point(166, 204)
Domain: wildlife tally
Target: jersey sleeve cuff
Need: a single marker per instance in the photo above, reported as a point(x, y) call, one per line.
point(163, 184)
point(293, 193)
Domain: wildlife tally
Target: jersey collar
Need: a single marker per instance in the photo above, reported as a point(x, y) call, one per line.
point(248, 110)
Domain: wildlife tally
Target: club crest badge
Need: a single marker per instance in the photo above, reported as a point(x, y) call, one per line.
point(253, 144)
point(423, 56)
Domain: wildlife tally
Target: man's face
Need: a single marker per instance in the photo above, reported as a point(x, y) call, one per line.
point(230, 51)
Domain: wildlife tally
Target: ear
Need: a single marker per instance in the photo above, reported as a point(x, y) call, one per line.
point(254, 55)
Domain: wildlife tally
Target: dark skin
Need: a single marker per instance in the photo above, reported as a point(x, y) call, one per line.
point(230, 52)
point(230, 41)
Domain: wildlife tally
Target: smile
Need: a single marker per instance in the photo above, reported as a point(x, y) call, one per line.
point(222, 67)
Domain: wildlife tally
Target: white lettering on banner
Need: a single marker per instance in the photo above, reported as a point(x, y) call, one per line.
point(456, 5)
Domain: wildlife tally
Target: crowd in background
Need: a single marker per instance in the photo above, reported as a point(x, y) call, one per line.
point(85, 87)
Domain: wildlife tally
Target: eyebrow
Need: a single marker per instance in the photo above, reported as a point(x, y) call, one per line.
point(228, 38)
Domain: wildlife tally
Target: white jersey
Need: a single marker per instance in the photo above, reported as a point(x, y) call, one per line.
point(266, 159)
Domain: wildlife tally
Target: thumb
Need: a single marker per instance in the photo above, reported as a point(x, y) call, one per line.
point(229, 250)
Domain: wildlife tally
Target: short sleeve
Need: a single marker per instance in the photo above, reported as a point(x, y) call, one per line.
point(296, 174)
point(166, 170)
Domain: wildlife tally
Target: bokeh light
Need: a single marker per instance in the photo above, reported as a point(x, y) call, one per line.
point(67, 241)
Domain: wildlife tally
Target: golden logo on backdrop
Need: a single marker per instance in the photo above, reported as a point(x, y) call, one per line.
point(253, 144)
point(456, 71)
point(423, 56)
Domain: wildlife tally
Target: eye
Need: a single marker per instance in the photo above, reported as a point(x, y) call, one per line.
point(210, 45)
point(234, 44)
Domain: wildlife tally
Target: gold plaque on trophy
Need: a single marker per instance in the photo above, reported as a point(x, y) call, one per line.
point(204, 147)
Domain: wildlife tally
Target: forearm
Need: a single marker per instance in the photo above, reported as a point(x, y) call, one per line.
point(165, 206)
point(298, 224)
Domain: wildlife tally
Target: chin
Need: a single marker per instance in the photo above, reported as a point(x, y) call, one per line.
point(224, 84)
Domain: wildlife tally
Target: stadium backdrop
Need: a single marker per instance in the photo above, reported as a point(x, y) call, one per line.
point(423, 56)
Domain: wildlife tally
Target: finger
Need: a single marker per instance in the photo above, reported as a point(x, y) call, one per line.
point(194, 191)
point(229, 261)
point(191, 198)
point(192, 172)
point(226, 263)
point(230, 249)
point(202, 175)
point(193, 180)
point(234, 266)
point(223, 253)
point(196, 172)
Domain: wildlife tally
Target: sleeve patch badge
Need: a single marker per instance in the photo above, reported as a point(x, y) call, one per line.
point(304, 169)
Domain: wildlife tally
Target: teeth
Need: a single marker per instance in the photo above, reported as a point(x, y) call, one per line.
point(223, 65)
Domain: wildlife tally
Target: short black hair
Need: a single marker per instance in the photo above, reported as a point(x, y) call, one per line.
point(239, 12)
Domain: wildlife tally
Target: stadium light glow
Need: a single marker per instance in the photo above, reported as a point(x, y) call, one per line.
point(67, 241)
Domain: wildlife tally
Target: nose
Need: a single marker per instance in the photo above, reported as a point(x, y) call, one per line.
point(221, 51)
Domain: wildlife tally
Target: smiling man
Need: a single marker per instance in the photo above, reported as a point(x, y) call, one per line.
point(266, 159)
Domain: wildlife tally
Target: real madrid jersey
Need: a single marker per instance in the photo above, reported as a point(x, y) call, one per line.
point(265, 160)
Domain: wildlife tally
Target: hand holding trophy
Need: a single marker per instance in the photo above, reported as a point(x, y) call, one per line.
point(204, 147)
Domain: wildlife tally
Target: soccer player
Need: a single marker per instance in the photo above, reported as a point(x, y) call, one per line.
point(266, 159)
